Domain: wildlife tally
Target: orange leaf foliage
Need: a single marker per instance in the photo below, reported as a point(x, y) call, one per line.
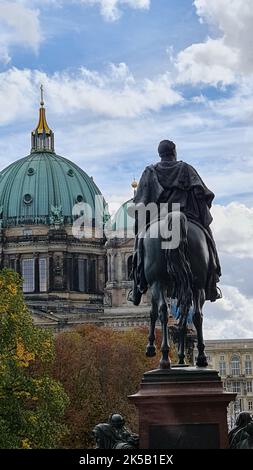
point(99, 367)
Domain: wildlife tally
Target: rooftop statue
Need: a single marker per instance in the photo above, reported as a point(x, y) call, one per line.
point(188, 271)
point(56, 217)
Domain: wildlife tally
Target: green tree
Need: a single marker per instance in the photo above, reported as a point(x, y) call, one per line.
point(32, 403)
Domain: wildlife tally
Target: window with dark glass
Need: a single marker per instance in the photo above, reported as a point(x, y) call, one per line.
point(92, 276)
point(249, 386)
point(222, 368)
point(236, 387)
point(12, 264)
point(82, 275)
point(248, 365)
point(43, 274)
point(28, 275)
point(235, 365)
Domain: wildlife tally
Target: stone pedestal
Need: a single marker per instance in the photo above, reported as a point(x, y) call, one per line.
point(182, 408)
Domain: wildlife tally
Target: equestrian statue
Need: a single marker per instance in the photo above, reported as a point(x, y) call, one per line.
point(175, 255)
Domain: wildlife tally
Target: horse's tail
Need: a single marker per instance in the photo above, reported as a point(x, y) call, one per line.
point(178, 264)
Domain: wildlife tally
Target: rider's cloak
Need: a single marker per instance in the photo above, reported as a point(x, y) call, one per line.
point(176, 182)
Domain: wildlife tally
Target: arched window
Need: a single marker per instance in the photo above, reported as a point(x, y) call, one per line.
point(129, 267)
point(235, 365)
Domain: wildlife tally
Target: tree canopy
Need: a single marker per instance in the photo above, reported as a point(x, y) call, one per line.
point(32, 403)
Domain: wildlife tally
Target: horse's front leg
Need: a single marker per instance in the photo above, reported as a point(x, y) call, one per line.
point(182, 326)
point(151, 349)
point(199, 300)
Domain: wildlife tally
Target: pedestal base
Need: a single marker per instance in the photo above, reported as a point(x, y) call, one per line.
point(182, 408)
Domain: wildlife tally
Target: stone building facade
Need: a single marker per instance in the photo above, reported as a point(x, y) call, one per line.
point(233, 358)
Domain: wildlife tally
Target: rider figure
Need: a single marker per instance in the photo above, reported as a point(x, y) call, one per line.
point(171, 181)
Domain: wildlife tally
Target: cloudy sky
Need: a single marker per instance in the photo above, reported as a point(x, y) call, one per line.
point(121, 75)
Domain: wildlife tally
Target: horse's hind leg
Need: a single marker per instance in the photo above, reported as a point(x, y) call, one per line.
point(199, 300)
point(182, 326)
point(151, 349)
point(159, 298)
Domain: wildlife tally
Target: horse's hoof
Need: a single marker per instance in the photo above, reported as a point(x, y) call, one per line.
point(164, 364)
point(201, 362)
point(151, 351)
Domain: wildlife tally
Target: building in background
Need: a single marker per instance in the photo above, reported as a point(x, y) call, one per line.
point(233, 359)
point(64, 275)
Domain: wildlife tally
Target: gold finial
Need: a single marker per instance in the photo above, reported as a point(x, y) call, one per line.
point(41, 95)
point(42, 124)
point(134, 184)
point(42, 136)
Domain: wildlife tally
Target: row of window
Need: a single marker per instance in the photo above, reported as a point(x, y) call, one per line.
point(237, 386)
point(28, 274)
point(235, 366)
point(85, 275)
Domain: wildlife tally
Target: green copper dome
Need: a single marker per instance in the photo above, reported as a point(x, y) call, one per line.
point(121, 223)
point(43, 188)
point(41, 183)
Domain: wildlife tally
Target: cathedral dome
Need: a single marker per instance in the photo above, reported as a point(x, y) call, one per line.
point(44, 186)
point(122, 223)
point(30, 187)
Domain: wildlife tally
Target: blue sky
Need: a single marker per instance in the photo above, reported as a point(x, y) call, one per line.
point(121, 75)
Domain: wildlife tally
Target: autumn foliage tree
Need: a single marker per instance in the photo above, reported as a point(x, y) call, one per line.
point(31, 402)
point(99, 367)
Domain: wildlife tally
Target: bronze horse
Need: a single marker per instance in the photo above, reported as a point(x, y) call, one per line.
point(179, 273)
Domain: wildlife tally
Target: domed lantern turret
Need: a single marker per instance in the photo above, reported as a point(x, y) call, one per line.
point(42, 137)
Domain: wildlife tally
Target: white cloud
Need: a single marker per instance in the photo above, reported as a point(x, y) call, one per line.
point(228, 56)
point(211, 62)
point(230, 317)
point(111, 9)
point(114, 93)
point(233, 229)
point(19, 26)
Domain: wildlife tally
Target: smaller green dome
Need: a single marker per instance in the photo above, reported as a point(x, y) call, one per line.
point(122, 224)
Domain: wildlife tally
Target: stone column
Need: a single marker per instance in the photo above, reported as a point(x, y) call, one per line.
point(101, 273)
point(36, 273)
point(18, 264)
point(75, 272)
point(112, 267)
point(109, 266)
point(51, 272)
point(123, 264)
point(119, 267)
